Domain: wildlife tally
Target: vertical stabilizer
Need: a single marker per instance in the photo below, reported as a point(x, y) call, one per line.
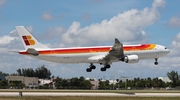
point(29, 41)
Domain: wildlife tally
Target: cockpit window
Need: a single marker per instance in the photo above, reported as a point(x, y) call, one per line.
point(165, 48)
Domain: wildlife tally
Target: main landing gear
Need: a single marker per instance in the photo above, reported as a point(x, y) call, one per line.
point(156, 61)
point(105, 67)
point(91, 66)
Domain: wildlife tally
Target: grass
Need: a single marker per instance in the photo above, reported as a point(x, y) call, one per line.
point(89, 98)
point(91, 91)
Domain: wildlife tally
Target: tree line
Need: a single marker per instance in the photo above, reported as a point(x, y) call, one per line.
point(41, 72)
point(142, 83)
point(73, 83)
point(80, 83)
point(136, 83)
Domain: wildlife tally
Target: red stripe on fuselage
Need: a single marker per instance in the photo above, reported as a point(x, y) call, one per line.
point(76, 50)
point(89, 49)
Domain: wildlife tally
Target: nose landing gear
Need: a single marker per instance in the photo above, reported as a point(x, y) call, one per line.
point(156, 61)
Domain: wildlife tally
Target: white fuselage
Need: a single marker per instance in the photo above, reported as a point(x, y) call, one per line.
point(157, 52)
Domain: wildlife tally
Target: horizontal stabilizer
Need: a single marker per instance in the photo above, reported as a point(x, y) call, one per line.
point(14, 51)
point(32, 51)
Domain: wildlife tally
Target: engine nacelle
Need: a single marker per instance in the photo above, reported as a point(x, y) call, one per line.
point(131, 59)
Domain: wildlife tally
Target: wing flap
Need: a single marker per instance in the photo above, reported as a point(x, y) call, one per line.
point(97, 58)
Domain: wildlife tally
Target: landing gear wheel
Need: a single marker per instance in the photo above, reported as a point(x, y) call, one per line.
point(103, 69)
point(93, 67)
point(88, 70)
point(156, 63)
point(107, 66)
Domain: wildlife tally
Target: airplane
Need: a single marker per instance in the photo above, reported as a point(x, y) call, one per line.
point(103, 55)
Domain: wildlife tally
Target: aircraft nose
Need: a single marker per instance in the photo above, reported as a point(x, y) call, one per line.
point(167, 50)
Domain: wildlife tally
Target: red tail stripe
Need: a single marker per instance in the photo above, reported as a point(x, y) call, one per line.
point(24, 37)
point(25, 40)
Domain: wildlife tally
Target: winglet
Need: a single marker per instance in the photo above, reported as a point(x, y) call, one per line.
point(117, 41)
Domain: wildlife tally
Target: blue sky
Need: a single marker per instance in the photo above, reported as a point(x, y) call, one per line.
point(70, 23)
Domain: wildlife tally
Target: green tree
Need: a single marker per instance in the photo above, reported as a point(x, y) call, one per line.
point(122, 85)
point(174, 77)
point(3, 84)
point(104, 85)
point(58, 83)
point(74, 83)
point(65, 84)
point(16, 84)
point(42, 72)
point(149, 82)
point(86, 84)
point(28, 72)
point(19, 72)
point(4, 74)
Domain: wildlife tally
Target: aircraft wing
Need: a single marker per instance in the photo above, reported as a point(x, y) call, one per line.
point(30, 51)
point(14, 51)
point(116, 52)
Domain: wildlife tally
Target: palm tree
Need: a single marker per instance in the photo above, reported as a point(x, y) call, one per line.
point(174, 77)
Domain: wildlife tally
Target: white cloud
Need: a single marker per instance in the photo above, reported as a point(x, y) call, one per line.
point(11, 41)
point(3, 50)
point(158, 3)
point(175, 46)
point(47, 15)
point(174, 22)
point(5, 39)
point(2, 2)
point(127, 26)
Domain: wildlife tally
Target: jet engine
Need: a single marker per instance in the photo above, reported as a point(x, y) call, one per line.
point(131, 59)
